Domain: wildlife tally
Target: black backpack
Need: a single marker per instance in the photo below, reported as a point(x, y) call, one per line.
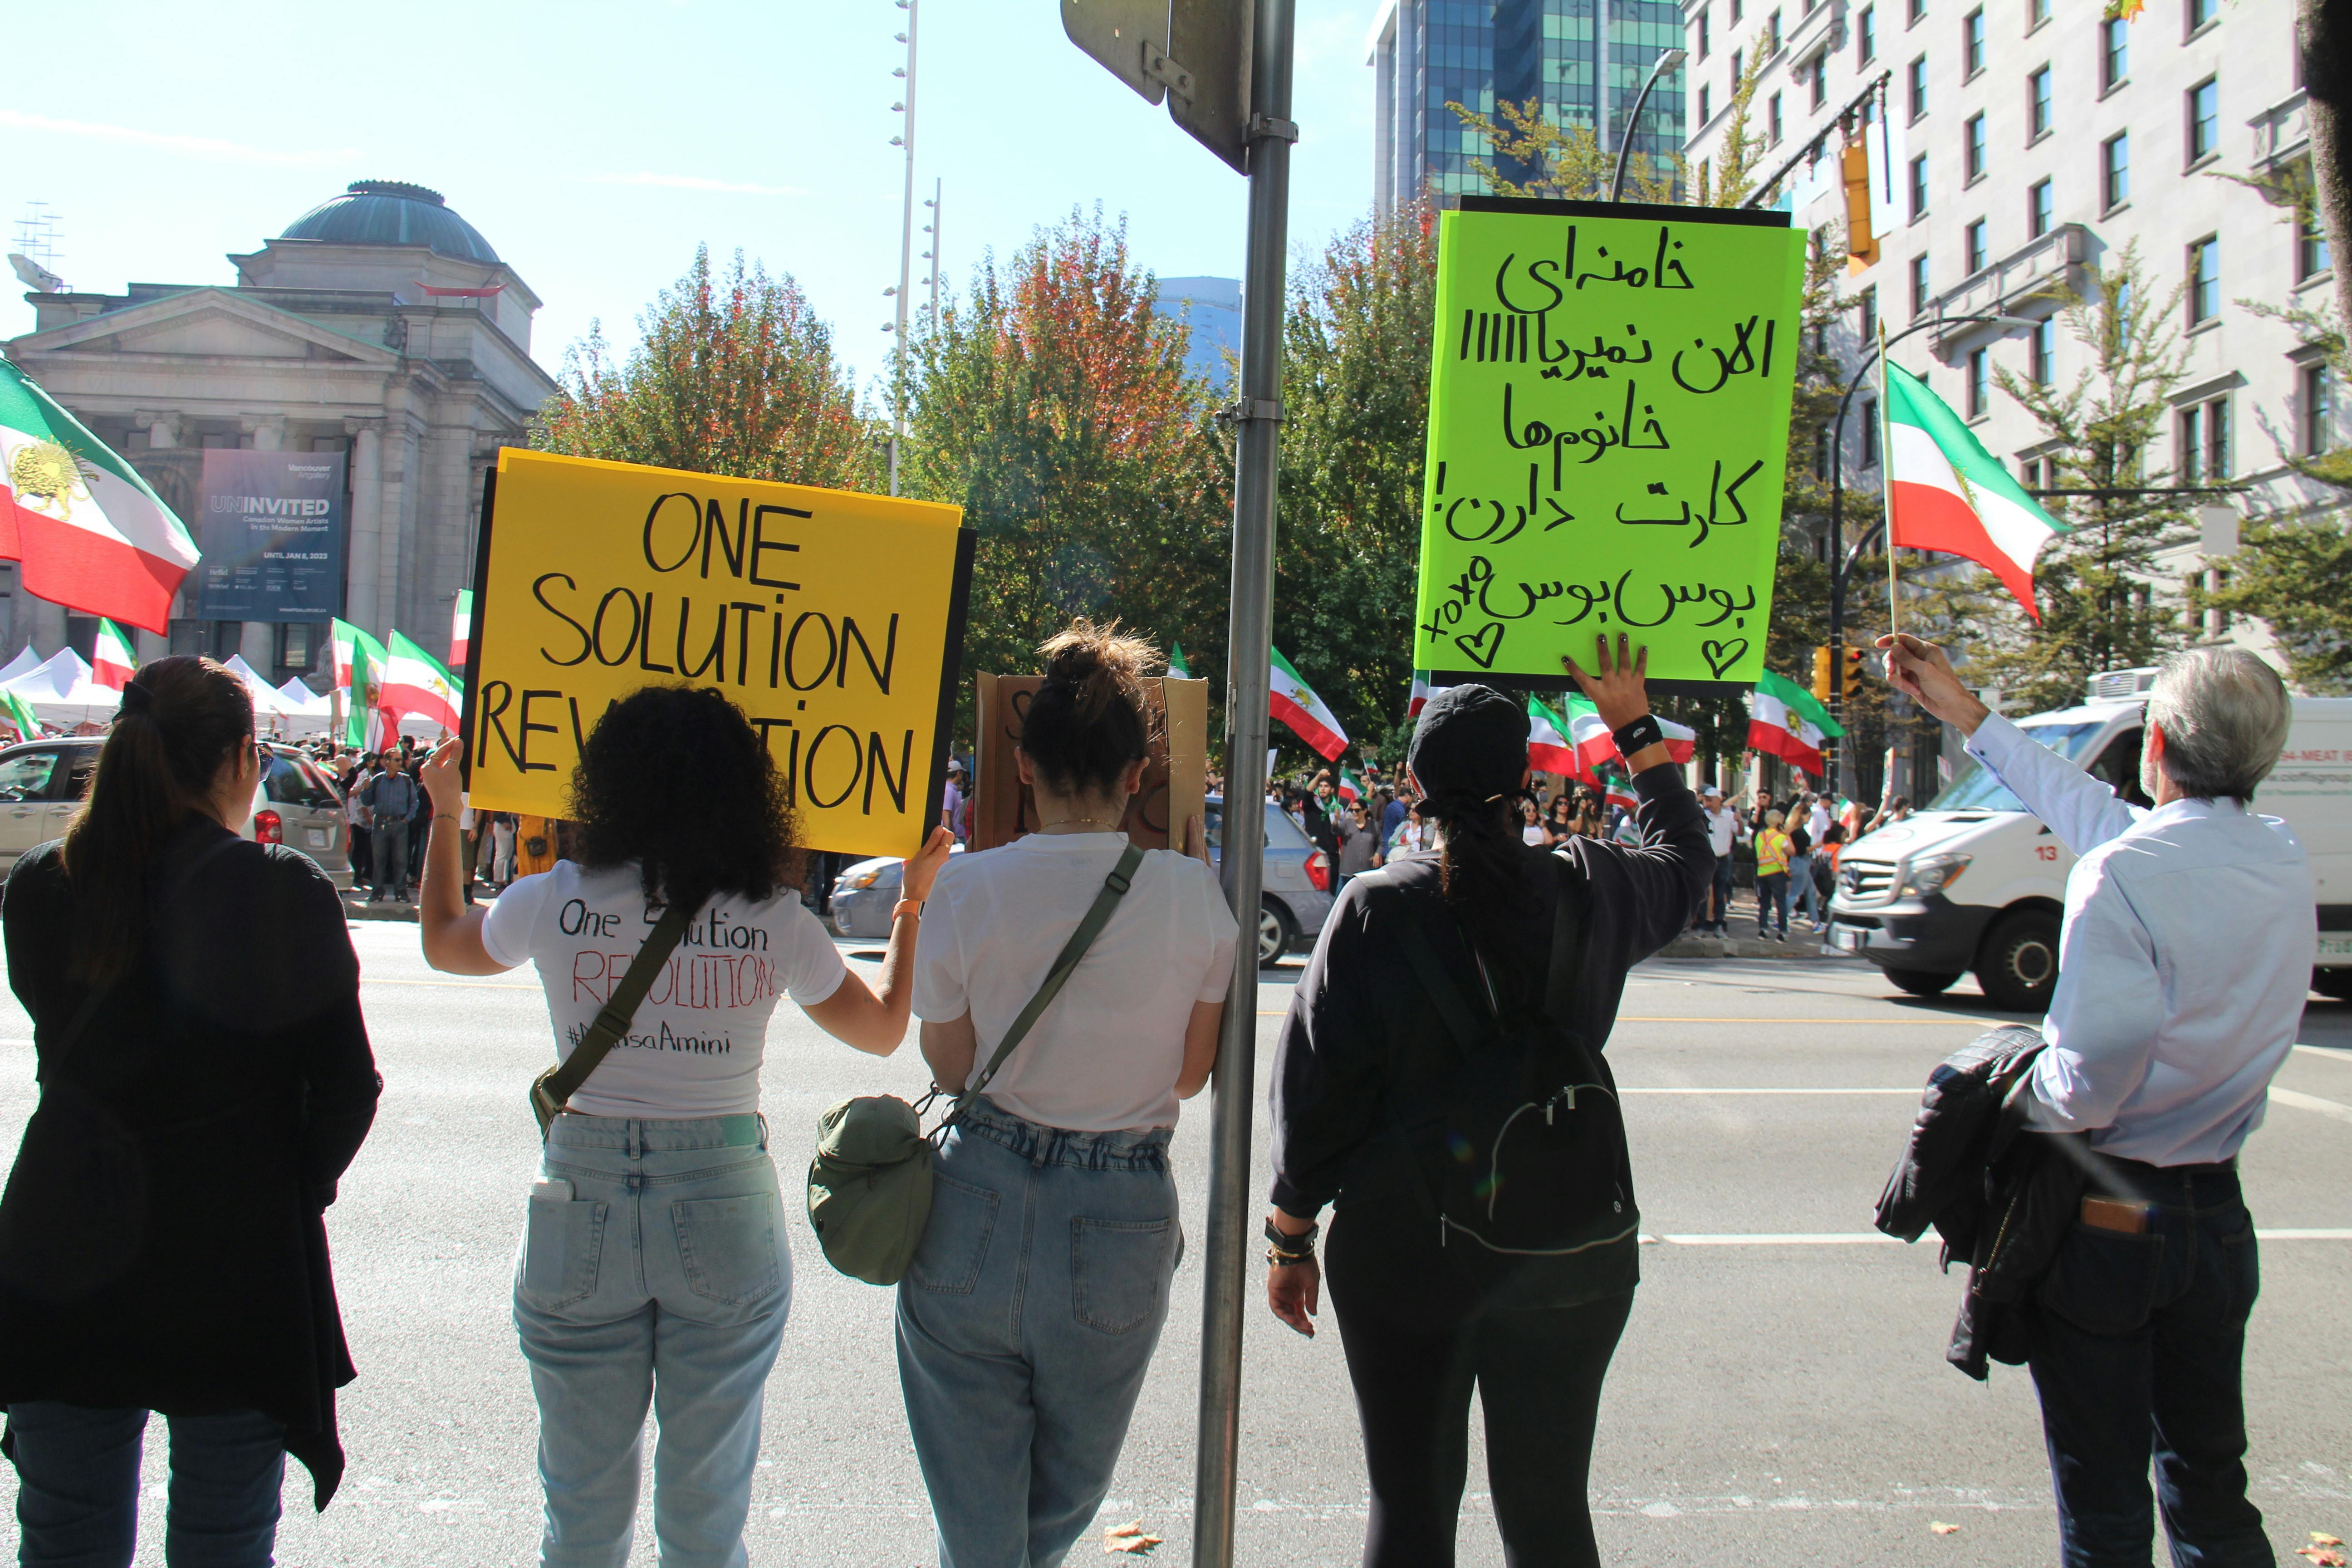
point(1519, 1136)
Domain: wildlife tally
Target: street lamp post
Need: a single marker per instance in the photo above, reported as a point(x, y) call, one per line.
point(897, 326)
point(1668, 59)
point(1839, 563)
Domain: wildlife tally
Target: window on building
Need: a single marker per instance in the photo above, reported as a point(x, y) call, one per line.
point(2311, 255)
point(1738, 73)
point(1821, 453)
point(1919, 284)
point(1866, 35)
point(1819, 72)
point(2196, 14)
point(1918, 9)
point(2037, 105)
point(296, 645)
point(2114, 52)
point(1916, 86)
point(1972, 36)
point(1738, 7)
point(1973, 240)
point(2318, 411)
point(1700, 31)
point(1972, 147)
point(2204, 279)
point(2204, 127)
point(1919, 187)
point(2042, 350)
point(2036, 13)
point(2204, 445)
point(1867, 326)
point(2114, 171)
point(1706, 101)
point(1772, 34)
point(2028, 473)
point(2038, 209)
point(1980, 382)
point(1870, 432)
point(1773, 119)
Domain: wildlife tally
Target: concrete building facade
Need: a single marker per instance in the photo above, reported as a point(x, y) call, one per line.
point(381, 325)
point(2032, 143)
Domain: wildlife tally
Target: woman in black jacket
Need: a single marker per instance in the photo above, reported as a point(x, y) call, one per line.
point(206, 1079)
point(1427, 1309)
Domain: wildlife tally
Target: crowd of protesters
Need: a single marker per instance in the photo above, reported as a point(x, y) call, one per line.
point(207, 1079)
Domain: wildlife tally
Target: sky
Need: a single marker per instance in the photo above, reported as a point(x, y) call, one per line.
point(595, 144)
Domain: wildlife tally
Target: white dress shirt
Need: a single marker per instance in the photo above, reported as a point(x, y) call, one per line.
point(1723, 829)
point(2183, 963)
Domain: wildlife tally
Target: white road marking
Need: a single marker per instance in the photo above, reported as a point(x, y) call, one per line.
point(2302, 1101)
point(1873, 1237)
point(1716, 1089)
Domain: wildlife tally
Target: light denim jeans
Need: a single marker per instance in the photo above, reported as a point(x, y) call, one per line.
point(654, 1271)
point(1803, 891)
point(1025, 1324)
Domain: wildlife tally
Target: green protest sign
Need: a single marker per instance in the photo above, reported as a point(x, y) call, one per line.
point(1607, 431)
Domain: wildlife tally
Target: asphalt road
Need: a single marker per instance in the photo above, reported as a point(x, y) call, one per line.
point(1780, 1396)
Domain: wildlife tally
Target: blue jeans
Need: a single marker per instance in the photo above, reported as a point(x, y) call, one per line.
point(2136, 1349)
point(654, 1270)
point(1803, 894)
point(78, 1487)
point(1025, 1324)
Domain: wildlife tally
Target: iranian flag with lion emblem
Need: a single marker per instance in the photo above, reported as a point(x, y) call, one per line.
point(89, 532)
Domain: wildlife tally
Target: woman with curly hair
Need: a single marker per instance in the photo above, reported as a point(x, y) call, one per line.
point(654, 1268)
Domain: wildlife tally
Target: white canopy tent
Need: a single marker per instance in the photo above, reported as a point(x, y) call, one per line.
point(62, 692)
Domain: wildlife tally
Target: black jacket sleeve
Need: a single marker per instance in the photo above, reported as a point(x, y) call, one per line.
point(1327, 1070)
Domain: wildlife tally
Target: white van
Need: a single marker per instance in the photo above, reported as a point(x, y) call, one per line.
point(1973, 883)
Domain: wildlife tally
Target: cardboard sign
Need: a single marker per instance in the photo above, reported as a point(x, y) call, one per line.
point(1175, 778)
point(1608, 430)
point(833, 620)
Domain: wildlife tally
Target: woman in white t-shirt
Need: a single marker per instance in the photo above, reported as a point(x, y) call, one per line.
point(1028, 1317)
point(654, 1267)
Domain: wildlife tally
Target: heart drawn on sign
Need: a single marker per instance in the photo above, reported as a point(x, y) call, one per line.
point(1722, 656)
point(1484, 647)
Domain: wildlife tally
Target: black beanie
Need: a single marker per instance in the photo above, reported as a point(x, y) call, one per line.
point(1470, 747)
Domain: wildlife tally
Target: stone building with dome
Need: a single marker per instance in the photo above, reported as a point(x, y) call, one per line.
point(380, 325)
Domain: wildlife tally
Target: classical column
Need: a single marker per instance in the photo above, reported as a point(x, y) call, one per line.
point(402, 479)
point(363, 550)
point(163, 429)
point(258, 643)
point(48, 625)
point(267, 430)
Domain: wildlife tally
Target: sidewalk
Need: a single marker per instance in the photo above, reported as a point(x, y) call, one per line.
point(1804, 942)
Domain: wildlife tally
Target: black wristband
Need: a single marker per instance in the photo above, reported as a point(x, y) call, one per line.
point(1643, 731)
point(1288, 1248)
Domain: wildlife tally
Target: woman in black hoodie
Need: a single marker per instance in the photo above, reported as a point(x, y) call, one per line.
point(1430, 1308)
point(206, 1079)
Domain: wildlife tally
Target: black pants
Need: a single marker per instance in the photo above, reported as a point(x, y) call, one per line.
point(2135, 1351)
point(1418, 1337)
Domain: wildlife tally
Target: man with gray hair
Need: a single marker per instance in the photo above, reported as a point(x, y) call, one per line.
point(2188, 945)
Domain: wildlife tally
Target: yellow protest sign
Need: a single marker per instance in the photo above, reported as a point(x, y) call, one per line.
point(1607, 431)
point(834, 620)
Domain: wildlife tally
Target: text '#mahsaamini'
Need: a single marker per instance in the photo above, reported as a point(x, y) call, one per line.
point(730, 615)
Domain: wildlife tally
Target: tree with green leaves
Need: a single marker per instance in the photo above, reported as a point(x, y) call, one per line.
point(1564, 161)
point(1053, 404)
point(731, 374)
point(2098, 586)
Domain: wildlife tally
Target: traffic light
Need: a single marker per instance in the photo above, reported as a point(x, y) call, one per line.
point(1822, 690)
point(1853, 660)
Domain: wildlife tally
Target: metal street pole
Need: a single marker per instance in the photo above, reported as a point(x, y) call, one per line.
point(1839, 564)
point(1667, 60)
point(906, 262)
point(1248, 646)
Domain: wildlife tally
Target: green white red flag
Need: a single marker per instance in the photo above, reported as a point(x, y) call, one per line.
point(1293, 702)
point(359, 670)
point(461, 630)
point(1944, 491)
point(1595, 745)
point(1788, 721)
point(1550, 750)
point(1351, 789)
point(1176, 665)
point(19, 712)
point(89, 531)
point(1422, 692)
point(112, 662)
point(414, 682)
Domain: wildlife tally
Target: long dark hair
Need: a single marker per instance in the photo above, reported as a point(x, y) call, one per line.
point(676, 779)
point(181, 718)
point(1090, 723)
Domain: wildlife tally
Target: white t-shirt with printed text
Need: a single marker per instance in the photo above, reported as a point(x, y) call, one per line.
point(695, 1046)
point(1104, 1055)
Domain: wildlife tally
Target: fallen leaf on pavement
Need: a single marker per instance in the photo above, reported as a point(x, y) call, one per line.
point(2319, 1540)
point(1129, 1538)
point(1941, 1528)
point(2323, 1551)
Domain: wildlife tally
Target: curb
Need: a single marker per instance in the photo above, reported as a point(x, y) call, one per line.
point(361, 910)
point(1795, 949)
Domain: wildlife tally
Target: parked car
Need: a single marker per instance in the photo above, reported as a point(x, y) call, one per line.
point(1296, 898)
point(42, 784)
point(1292, 906)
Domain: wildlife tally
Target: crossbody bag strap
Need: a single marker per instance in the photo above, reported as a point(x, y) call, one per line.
point(611, 1020)
point(1114, 888)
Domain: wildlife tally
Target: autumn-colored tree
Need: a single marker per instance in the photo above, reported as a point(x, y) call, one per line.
point(1053, 404)
point(732, 374)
